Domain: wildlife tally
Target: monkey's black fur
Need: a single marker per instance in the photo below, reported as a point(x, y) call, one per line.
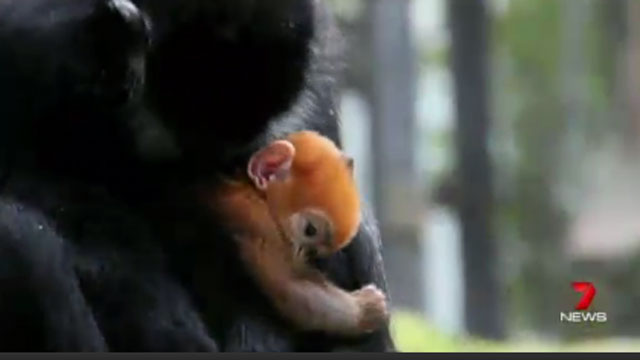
point(112, 116)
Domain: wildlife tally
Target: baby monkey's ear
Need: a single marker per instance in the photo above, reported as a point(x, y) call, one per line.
point(270, 163)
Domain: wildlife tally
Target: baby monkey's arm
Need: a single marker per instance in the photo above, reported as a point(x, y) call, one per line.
point(305, 296)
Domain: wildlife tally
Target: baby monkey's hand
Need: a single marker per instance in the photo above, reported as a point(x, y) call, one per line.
point(373, 308)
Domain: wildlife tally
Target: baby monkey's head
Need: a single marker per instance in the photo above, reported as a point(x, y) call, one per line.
point(310, 190)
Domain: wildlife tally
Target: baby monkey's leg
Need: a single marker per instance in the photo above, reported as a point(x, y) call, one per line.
point(307, 297)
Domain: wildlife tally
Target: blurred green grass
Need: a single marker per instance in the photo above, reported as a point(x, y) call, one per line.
point(412, 333)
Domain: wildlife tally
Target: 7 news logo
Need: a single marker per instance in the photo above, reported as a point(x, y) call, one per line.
point(581, 314)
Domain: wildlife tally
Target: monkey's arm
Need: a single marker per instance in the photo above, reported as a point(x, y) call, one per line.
point(305, 297)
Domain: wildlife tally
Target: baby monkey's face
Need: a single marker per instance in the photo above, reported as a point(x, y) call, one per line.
point(318, 206)
point(311, 230)
point(310, 190)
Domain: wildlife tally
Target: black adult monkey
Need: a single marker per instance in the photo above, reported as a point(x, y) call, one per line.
point(78, 268)
point(254, 70)
point(83, 233)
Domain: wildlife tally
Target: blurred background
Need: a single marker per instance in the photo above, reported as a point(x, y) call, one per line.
point(498, 143)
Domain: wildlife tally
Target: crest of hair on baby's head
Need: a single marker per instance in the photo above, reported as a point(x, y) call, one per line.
point(322, 178)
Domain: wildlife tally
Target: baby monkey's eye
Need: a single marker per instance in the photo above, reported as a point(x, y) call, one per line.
point(310, 230)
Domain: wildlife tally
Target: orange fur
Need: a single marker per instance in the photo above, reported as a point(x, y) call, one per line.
point(320, 178)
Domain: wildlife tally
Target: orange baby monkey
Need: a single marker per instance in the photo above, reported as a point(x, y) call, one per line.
point(299, 195)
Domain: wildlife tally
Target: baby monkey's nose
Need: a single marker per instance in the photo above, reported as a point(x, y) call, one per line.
point(326, 245)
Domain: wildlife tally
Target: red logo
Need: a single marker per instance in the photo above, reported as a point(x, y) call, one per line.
point(588, 292)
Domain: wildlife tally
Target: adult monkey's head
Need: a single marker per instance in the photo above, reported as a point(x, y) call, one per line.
point(118, 36)
point(220, 71)
point(68, 68)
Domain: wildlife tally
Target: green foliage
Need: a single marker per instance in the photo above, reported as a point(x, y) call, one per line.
point(414, 334)
point(534, 94)
point(530, 31)
point(347, 10)
point(531, 115)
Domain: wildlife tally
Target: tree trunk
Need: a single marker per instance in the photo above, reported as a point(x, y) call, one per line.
point(468, 22)
point(397, 196)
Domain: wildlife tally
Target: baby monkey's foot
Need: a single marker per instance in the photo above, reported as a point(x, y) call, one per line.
point(372, 303)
